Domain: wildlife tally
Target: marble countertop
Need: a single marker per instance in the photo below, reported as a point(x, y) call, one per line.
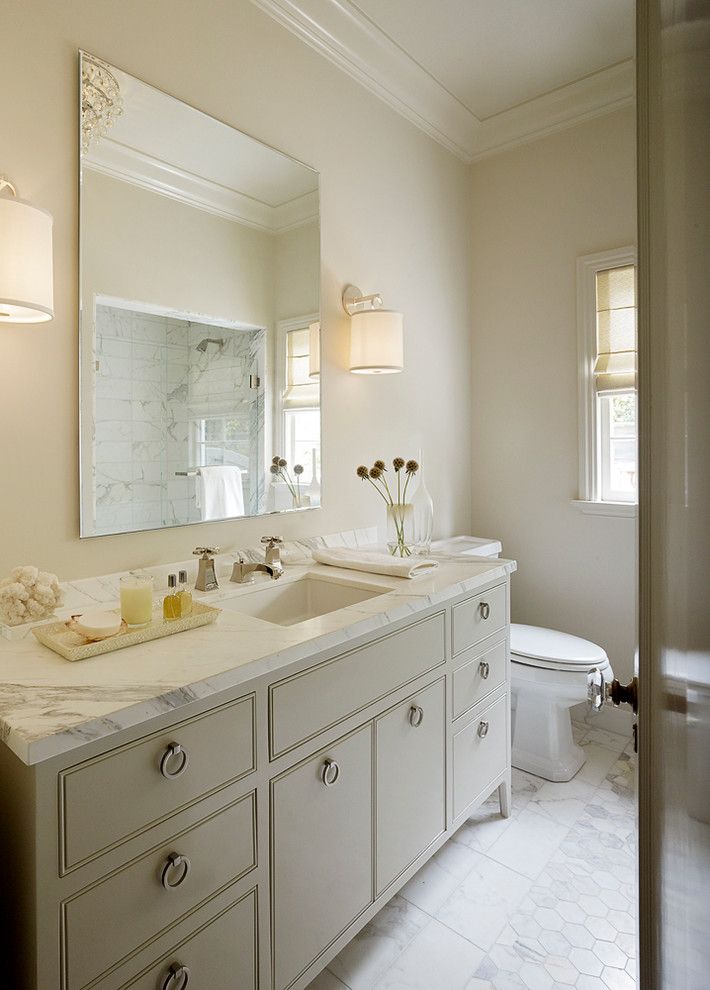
point(49, 706)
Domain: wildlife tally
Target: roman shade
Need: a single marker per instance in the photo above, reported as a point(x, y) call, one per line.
point(301, 390)
point(615, 366)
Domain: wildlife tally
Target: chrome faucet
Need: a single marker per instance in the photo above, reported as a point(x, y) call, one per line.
point(243, 572)
point(206, 577)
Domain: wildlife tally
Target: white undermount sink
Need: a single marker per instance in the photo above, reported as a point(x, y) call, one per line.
point(297, 601)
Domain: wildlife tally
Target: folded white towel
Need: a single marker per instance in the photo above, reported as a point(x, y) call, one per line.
point(376, 563)
point(219, 492)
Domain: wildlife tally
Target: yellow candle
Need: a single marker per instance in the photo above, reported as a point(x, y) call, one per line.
point(136, 599)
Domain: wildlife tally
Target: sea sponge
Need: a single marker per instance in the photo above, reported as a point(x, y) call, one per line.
point(28, 594)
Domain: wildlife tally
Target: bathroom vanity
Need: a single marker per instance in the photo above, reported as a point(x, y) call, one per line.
point(228, 807)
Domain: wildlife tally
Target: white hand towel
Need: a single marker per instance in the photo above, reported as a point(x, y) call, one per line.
point(219, 492)
point(376, 563)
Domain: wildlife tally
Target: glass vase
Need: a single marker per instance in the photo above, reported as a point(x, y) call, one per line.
point(422, 517)
point(400, 536)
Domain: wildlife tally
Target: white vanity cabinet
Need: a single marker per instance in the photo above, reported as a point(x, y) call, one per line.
point(321, 851)
point(243, 844)
point(410, 794)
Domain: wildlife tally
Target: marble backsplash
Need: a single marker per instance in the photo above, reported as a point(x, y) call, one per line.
point(104, 590)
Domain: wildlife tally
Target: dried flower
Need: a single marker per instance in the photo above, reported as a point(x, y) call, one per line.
point(282, 462)
point(398, 463)
point(375, 473)
point(381, 465)
point(274, 468)
point(276, 459)
point(298, 469)
point(362, 472)
point(412, 467)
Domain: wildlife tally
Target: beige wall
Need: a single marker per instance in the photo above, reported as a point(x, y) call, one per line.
point(535, 209)
point(393, 219)
point(147, 248)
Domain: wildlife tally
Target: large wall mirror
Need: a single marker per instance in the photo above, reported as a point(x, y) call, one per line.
point(200, 332)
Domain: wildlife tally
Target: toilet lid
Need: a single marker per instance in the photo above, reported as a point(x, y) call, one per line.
point(554, 647)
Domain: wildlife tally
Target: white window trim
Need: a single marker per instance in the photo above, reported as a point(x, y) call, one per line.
point(589, 468)
point(282, 328)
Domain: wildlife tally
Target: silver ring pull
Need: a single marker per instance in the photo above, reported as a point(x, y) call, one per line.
point(485, 610)
point(485, 669)
point(177, 979)
point(416, 716)
point(330, 771)
point(483, 729)
point(175, 861)
point(174, 751)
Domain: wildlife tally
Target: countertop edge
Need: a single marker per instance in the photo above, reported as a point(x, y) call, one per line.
point(35, 751)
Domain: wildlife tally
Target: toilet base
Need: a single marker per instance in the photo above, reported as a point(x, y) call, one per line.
point(542, 737)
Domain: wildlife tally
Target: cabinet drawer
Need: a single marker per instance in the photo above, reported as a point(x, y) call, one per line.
point(477, 618)
point(142, 783)
point(222, 954)
point(480, 752)
point(303, 705)
point(411, 799)
point(478, 675)
point(105, 923)
point(321, 840)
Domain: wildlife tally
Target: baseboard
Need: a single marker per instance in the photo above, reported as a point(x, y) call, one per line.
point(609, 718)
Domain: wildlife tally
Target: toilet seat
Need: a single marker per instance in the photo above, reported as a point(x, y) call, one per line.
point(536, 646)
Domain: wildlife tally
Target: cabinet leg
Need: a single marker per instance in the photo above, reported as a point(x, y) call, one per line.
point(504, 797)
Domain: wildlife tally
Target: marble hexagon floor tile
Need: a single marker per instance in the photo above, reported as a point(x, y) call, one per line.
point(544, 900)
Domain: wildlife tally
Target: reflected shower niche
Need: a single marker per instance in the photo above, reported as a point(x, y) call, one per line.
point(172, 393)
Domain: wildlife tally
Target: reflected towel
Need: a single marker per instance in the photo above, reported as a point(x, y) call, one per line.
point(376, 563)
point(219, 492)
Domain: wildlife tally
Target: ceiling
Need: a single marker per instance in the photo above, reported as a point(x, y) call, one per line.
point(478, 75)
point(169, 147)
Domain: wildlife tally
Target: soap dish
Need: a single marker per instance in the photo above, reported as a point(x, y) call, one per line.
point(73, 646)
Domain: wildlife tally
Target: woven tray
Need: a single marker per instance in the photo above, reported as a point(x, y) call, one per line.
point(72, 646)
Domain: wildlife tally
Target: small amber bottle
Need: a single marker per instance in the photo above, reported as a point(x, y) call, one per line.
point(184, 594)
point(171, 602)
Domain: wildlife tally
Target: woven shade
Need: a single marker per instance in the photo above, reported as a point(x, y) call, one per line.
point(301, 390)
point(615, 367)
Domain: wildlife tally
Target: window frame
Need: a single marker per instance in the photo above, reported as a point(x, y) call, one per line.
point(283, 327)
point(590, 487)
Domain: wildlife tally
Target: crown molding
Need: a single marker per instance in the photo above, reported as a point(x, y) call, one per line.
point(129, 165)
point(338, 30)
point(593, 96)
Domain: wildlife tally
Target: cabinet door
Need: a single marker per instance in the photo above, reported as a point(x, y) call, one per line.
point(410, 781)
point(321, 820)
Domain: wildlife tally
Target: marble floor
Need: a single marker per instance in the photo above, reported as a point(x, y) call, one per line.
point(543, 900)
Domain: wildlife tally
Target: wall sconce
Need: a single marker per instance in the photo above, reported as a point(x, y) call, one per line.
point(376, 335)
point(26, 270)
point(314, 351)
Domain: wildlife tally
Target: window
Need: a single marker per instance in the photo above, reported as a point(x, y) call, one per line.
point(298, 398)
point(607, 354)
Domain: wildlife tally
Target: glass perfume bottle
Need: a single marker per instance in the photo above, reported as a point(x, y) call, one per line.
point(184, 594)
point(171, 602)
point(422, 515)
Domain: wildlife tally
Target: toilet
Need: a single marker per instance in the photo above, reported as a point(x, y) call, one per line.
point(548, 677)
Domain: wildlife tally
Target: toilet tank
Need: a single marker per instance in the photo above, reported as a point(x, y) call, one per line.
point(468, 546)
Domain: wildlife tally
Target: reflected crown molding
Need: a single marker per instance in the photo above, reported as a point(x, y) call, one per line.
point(338, 30)
point(139, 169)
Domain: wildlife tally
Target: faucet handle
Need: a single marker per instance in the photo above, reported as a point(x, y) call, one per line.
point(205, 551)
point(272, 541)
